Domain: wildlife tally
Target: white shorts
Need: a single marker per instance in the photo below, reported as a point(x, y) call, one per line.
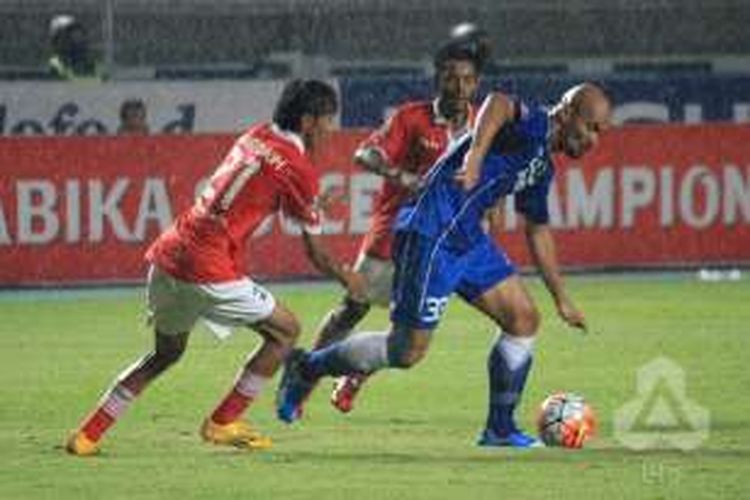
point(174, 305)
point(379, 274)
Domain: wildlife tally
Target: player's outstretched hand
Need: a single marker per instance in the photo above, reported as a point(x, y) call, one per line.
point(572, 315)
point(410, 181)
point(329, 198)
point(404, 179)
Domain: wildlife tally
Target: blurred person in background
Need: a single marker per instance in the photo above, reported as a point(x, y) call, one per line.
point(197, 266)
point(401, 151)
point(72, 58)
point(133, 118)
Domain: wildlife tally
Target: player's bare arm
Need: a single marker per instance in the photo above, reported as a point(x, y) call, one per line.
point(497, 109)
point(542, 246)
point(372, 160)
point(354, 282)
point(493, 219)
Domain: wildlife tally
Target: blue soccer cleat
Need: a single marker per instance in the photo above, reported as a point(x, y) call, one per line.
point(294, 388)
point(514, 439)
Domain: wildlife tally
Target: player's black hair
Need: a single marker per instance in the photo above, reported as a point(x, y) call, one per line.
point(304, 97)
point(467, 43)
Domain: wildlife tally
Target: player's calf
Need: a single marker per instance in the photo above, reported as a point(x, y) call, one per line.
point(508, 366)
point(340, 322)
point(126, 387)
point(407, 347)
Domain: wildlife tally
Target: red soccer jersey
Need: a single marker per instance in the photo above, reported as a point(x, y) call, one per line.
point(266, 170)
point(412, 140)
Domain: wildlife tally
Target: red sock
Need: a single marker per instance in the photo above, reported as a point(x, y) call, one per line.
point(230, 408)
point(112, 406)
point(97, 424)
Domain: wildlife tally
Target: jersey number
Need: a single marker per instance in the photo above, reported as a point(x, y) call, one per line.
point(228, 192)
point(434, 307)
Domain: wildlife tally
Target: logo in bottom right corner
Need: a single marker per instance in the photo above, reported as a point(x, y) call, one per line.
point(661, 415)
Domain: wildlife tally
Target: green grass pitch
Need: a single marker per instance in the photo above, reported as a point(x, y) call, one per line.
point(412, 435)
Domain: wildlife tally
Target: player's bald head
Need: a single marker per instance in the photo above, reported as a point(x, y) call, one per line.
point(582, 115)
point(587, 99)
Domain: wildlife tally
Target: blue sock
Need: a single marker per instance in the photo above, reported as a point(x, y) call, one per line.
point(508, 368)
point(362, 353)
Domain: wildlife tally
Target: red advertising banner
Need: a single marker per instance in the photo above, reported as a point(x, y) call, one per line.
point(666, 196)
point(83, 210)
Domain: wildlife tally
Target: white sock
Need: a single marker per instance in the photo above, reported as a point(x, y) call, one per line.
point(515, 350)
point(116, 401)
point(250, 384)
point(366, 351)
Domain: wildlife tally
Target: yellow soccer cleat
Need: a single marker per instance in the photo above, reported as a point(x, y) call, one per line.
point(79, 444)
point(239, 434)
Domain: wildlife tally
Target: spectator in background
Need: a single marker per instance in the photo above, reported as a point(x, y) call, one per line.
point(133, 118)
point(71, 58)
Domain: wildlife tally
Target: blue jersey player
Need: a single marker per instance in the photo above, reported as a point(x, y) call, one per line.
point(440, 249)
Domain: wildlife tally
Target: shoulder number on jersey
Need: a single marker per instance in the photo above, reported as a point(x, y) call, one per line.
point(531, 174)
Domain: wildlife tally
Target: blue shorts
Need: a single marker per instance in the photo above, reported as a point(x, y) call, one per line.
point(427, 273)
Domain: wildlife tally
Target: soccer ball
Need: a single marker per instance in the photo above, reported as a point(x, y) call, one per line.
point(566, 420)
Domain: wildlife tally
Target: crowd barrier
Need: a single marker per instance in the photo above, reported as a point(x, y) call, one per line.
point(84, 209)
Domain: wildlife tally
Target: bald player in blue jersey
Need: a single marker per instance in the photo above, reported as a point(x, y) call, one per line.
point(440, 248)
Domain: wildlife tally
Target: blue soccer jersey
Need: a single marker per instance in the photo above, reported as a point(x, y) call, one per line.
point(518, 163)
point(440, 245)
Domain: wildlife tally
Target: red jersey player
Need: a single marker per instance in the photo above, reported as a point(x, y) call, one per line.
point(401, 151)
point(197, 268)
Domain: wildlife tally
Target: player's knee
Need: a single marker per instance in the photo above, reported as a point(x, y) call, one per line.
point(526, 320)
point(166, 357)
point(407, 358)
point(169, 349)
point(283, 324)
point(290, 333)
point(415, 356)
